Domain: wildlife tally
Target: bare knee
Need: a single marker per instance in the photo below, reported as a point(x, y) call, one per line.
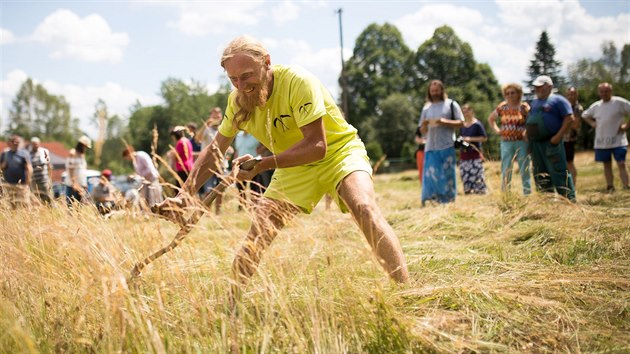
point(365, 211)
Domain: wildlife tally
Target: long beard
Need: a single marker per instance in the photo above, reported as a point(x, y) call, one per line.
point(258, 98)
point(248, 102)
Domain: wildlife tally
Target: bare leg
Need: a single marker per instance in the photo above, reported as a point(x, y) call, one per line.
point(357, 191)
point(573, 171)
point(623, 173)
point(271, 216)
point(217, 204)
point(608, 174)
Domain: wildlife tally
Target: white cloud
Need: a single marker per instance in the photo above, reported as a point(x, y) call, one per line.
point(507, 42)
point(8, 89)
point(6, 36)
point(82, 99)
point(285, 12)
point(419, 26)
point(88, 39)
point(202, 18)
point(324, 63)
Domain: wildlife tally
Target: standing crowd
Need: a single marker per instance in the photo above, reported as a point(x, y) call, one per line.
point(541, 134)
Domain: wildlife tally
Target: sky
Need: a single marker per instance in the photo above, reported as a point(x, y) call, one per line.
point(121, 51)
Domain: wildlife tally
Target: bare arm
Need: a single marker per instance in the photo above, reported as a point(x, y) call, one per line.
point(3, 163)
point(424, 128)
point(476, 139)
point(28, 173)
point(200, 132)
point(566, 124)
point(207, 164)
point(454, 124)
point(311, 148)
point(588, 119)
point(492, 120)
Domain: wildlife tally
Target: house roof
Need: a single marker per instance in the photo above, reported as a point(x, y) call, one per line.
point(58, 155)
point(54, 147)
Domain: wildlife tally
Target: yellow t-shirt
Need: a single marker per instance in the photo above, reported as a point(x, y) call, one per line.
point(298, 98)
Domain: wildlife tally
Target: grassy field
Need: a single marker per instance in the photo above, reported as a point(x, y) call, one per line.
point(494, 273)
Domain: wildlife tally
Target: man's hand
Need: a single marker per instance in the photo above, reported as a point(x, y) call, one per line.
point(623, 127)
point(245, 171)
point(555, 140)
point(173, 208)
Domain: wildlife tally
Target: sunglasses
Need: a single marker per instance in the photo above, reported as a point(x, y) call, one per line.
point(509, 93)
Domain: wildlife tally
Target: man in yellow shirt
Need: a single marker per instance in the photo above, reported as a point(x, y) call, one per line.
point(315, 151)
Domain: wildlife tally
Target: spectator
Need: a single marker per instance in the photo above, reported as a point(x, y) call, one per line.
point(550, 117)
point(512, 113)
point(206, 135)
point(192, 129)
point(76, 170)
point(183, 156)
point(16, 167)
point(104, 193)
point(42, 171)
point(439, 119)
point(570, 137)
point(245, 144)
point(470, 157)
point(149, 188)
point(419, 153)
point(609, 118)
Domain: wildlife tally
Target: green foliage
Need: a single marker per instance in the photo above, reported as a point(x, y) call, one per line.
point(408, 151)
point(443, 57)
point(396, 124)
point(376, 69)
point(374, 150)
point(141, 123)
point(184, 103)
point(386, 83)
point(35, 112)
point(544, 63)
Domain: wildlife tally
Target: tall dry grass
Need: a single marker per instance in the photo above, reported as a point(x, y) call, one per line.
point(494, 273)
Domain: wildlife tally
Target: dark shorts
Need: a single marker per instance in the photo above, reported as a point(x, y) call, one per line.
point(569, 150)
point(604, 155)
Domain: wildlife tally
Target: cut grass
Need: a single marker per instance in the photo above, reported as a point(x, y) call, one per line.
point(494, 273)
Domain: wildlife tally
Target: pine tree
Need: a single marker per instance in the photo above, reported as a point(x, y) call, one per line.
point(544, 63)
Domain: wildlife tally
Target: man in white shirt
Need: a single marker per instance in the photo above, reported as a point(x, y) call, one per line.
point(150, 189)
point(609, 118)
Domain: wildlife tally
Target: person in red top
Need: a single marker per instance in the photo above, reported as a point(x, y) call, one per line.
point(183, 157)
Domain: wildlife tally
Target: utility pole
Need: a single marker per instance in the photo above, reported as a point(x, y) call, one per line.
point(344, 84)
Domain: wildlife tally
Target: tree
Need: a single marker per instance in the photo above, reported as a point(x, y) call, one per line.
point(35, 112)
point(624, 71)
point(377, 68)
point(544, 63)
point(184, 103)
point(141, 122)
point(108, 145)
point(396, 124)
point(443, 57)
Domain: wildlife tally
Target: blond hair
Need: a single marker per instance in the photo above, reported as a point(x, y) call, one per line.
point(512, 85)
point(247, 45)
point(253, 48)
